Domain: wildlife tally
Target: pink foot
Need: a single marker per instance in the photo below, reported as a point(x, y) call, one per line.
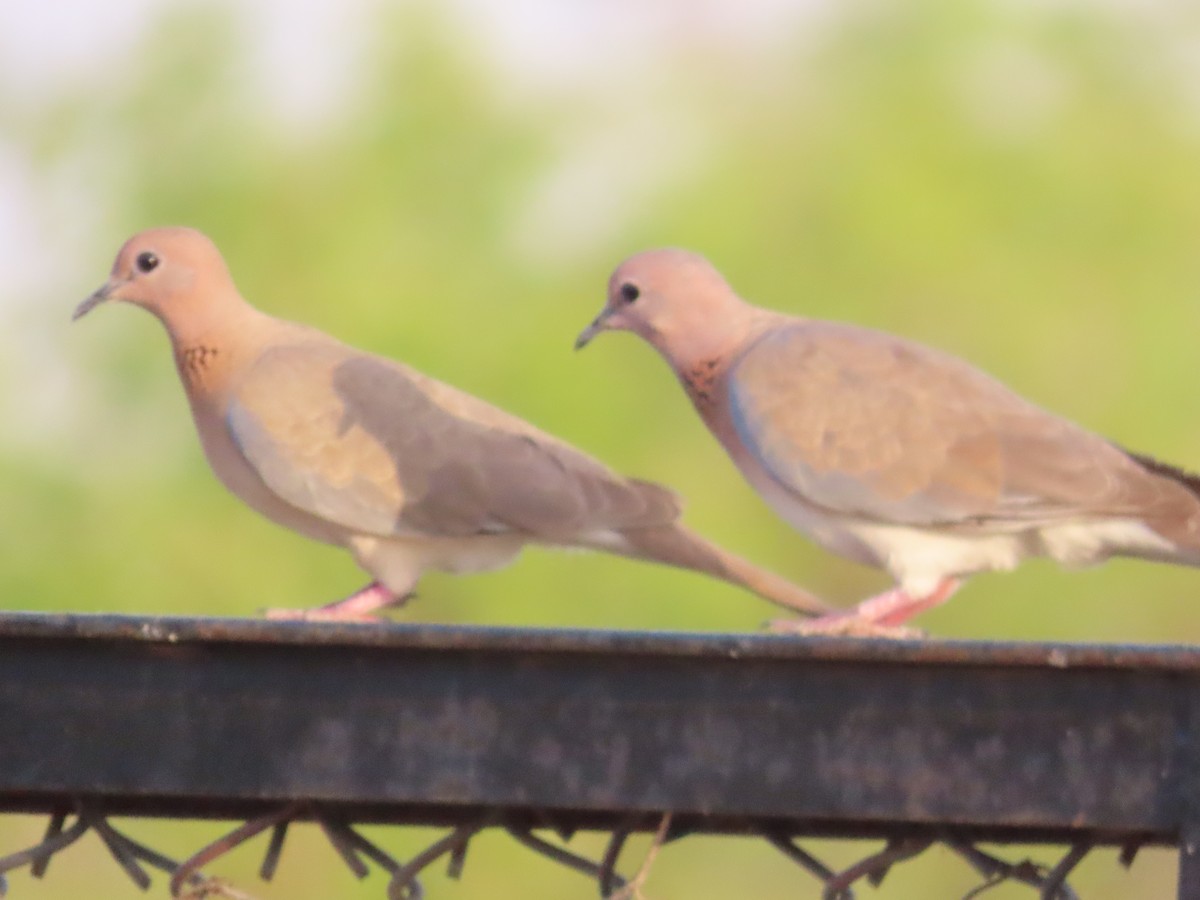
point(358, 607)
point(883, 615)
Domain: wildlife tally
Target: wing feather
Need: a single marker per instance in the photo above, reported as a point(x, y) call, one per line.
point(379, 448)
point(865, 424)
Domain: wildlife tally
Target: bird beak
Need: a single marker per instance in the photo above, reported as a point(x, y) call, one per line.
point(585, 336)
point(93, 301)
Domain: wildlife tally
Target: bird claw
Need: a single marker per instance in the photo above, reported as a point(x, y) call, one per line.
point(843, 625)
point(358, 607)
point(317, 615)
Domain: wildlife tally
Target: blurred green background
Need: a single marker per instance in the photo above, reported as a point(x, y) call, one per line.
point(1012, 180)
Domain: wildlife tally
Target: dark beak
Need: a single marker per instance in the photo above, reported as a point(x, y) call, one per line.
point(591, 331)
point(92, 302)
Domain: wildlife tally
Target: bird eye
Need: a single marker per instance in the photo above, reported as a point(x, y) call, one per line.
point(147, 262)
point(629, 292)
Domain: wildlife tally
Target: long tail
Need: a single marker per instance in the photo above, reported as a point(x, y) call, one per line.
point(1178, 521)
point(679, 546)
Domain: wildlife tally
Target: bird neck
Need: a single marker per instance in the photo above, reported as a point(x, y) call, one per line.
point(211, 346)
point(701, 378)
point(701, 357)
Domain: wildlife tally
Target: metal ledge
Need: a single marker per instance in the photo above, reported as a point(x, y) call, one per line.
point(1080, 744)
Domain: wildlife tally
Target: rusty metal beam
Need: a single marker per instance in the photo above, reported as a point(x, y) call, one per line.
point(731, 733)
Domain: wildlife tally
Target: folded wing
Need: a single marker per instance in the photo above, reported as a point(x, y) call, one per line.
point(381, 449)
point(868, 425)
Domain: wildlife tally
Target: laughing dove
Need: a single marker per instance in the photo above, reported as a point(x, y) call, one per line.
point(405, 472)
point(891, 453)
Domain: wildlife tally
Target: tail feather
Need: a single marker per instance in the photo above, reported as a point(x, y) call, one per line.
point(1179, 522)
point(676, 545)
point(1189, 480)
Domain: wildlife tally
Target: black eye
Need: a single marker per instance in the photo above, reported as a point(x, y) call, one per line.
point(147, 262)
point(630, 292)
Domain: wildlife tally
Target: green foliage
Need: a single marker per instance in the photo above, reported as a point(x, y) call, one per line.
point(1016, 185)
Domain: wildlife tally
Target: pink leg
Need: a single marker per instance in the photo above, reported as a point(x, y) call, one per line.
point(883, 615)
point(358, 607)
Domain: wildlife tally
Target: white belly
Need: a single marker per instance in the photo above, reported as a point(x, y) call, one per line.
point(398, 563)
point(918, 558)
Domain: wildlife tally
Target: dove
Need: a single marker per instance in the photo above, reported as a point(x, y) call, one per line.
point(403, 471)
point(892, 453)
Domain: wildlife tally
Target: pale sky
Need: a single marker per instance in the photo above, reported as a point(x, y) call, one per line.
point(305, 55)
point(306, 52)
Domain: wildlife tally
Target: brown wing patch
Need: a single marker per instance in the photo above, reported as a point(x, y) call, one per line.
point(868, 424)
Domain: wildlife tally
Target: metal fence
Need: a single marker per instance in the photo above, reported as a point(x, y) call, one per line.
point(543, 733)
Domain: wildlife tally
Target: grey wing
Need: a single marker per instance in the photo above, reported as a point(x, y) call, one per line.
point(866, 424)
point(376, 447)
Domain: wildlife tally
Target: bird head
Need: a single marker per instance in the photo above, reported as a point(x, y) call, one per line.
point(672, 298)
point(162, 270)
